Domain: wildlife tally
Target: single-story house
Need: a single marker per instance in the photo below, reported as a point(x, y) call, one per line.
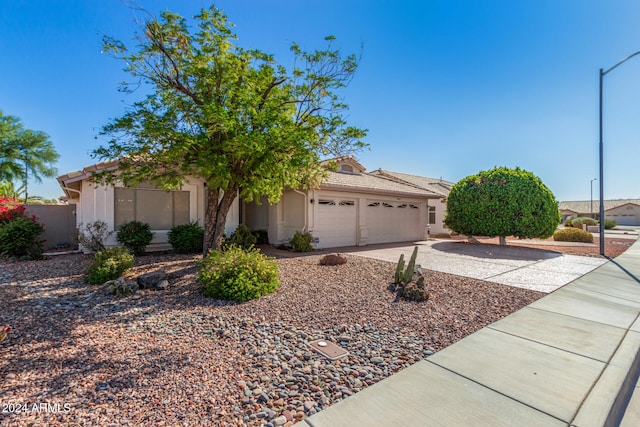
point(622, 211)
point(351, 207)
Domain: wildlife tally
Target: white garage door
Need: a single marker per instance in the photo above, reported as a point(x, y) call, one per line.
point(624, 219)
point(336, 223)
point(393, 222)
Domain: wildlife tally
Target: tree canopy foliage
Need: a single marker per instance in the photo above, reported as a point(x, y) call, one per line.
point(24, 154)
point(502, 202)
point(232, 116)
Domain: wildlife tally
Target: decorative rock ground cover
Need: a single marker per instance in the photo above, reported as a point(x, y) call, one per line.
point(174, 357)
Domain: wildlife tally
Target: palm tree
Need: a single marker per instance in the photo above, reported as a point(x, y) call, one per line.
point(9, 128)
point(25, 153)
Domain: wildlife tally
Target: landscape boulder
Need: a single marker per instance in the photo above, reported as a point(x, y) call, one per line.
point(333, 259)
point(120, 287)
point(156, 280)
point(415, 291)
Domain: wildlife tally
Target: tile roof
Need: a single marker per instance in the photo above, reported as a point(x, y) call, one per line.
point(585, 206)
point(436, 185)
point(372, 183)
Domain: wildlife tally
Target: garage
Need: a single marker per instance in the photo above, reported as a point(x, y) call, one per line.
point(337, 222)
point(624, 219)
point(393, 221)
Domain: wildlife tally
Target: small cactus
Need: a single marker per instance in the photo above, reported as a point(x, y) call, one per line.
point(398, 279)
point(402, 280)
point(404, 276)
point(408, 274)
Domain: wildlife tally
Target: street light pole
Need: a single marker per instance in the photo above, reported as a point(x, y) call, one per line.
point(601, 146)
point(591, 211)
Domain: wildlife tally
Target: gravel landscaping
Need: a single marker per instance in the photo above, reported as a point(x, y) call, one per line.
point(174, 357)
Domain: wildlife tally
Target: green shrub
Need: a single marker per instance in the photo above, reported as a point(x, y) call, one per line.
point(187, 238)
point(108, 264)
point(572, 235)
point(135, 236)
point(580, 221)
point(238, 275)
point(241, 237)
point(92, 235)
point(19, 238)
point(301, 242)
point(502, 202)
point(609, 224)
point(262, 237)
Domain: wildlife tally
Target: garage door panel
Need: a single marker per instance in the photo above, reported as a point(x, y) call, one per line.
point(392, 221)
point(336, 224)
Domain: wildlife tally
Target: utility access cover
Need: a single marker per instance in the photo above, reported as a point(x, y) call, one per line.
point(328, 349)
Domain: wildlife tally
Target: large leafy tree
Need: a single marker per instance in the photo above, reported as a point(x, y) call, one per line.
point(232, 116)
point(502, 202)
point(25, 154)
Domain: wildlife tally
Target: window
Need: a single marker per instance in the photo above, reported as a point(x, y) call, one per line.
point(387, 205)
point(326, 202)
point(411, 206)
point(403, 206)
point(374, 204)
point(346, 168)
point(432, 214)
point(162, 210)
point(347, 203)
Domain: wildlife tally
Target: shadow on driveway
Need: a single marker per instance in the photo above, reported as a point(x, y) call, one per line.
point(480, 250)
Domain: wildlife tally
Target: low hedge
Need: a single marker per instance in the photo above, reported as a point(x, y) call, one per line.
point(572, 235)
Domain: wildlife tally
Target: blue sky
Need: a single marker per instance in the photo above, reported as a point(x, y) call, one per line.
point(446, 88)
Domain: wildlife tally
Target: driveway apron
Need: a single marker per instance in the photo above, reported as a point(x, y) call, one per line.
point(535, 269)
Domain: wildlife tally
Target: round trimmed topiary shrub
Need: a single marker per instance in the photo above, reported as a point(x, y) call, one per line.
point(238, 275)
point(502, 202)
point(135, 236)
point(573, 235)
point(187, 238)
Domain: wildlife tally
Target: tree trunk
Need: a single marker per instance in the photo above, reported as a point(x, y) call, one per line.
point(217, 208)
point(503, 241)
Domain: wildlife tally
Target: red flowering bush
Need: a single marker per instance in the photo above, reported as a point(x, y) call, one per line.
point(18, 232)
point(10, 209)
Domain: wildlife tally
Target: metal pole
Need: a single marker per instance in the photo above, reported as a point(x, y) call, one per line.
point(601, 173)
point(591, 206)
point(602, 74)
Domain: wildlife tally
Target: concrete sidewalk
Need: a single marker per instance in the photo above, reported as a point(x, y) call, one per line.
point(523, 267)
point(570, 358)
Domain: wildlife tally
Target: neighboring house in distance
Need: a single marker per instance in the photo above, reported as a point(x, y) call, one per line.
point(622, 211)
point(350, 208)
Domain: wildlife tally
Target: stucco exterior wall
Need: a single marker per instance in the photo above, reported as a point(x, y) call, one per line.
point(97, 202)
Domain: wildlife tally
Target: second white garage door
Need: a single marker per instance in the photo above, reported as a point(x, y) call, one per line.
point(393, 222)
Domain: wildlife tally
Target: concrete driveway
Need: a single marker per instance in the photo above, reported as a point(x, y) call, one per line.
point(535, 269)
